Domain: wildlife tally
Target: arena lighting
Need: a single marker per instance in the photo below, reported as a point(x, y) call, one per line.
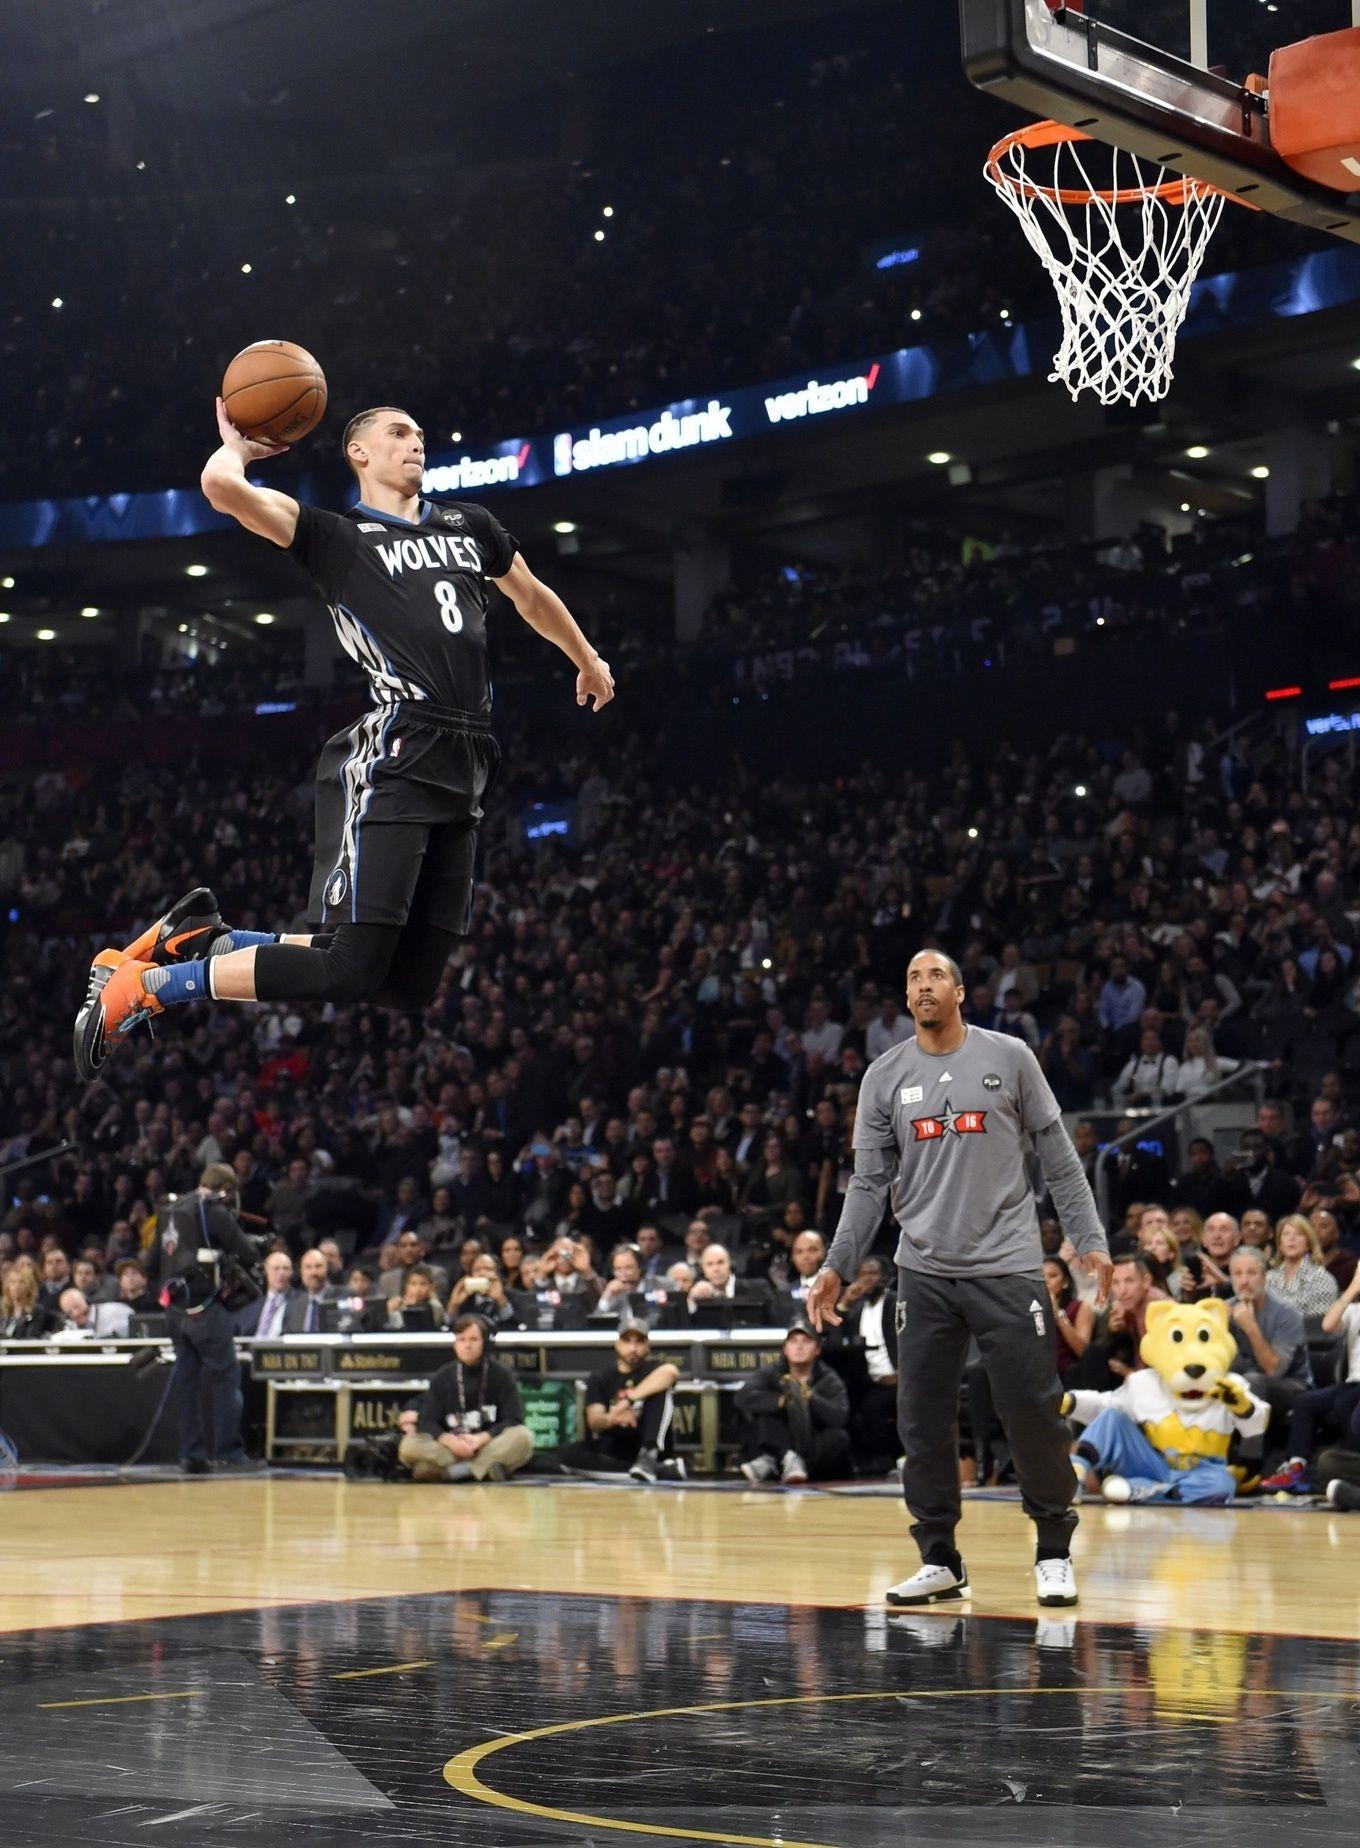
point(7, 583)
point(1185, 506)
point(765, 963)
point(47, 635)
point(455, 436)
point(916, 314)
point(1339, 686)
point(57, 302)
point(972, 834)
point(141, 166)
point(564, 526)
point(599, 237)
point(245, 269)
point(264, 619)
point(1355, 365)
point(1197, 452)
point(4, 615)
point(1284, 692)
point(92, 96)
point(290, 198)
point(1080, 790)
point(607, 211)
point(184, 628)
point(90, 609)
point(1260, 472)
point(195, 571)
point(939, 457)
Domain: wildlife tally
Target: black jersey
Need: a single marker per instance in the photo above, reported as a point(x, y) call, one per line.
point(408, 597)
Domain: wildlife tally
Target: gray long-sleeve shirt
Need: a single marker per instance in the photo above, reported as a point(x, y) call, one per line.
point(946, 1134)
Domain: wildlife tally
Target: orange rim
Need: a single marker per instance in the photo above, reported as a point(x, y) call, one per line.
point(1050, 134)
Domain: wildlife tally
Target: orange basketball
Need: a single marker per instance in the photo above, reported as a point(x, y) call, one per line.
point(274, 391)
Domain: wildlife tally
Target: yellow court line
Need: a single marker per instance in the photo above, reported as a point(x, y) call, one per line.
point(394, 1668)
point(461, 1772)
point(119, 1700)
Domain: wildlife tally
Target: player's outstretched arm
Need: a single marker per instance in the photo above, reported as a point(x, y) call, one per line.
point(260, 510)
point(545, 612)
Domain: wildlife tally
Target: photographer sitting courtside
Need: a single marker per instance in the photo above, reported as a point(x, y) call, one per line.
point(470, 1424)
point(199, 1245)
point(796, 1410)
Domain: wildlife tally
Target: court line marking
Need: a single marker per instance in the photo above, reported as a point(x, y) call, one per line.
point(392, 1668)
point(462, 1775)
point(119, 1700)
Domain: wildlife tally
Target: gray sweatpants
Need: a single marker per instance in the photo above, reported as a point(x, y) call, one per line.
point(1009, 1319)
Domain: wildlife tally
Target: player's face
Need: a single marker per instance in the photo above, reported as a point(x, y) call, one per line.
point(393, 451)
point(932, 996)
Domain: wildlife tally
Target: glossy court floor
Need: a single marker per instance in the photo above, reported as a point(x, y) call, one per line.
point(293, 1661)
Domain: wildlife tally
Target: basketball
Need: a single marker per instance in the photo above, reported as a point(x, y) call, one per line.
point(274, 391)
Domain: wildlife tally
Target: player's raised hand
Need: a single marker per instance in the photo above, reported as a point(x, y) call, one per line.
point(244, 446)
point(595, 683)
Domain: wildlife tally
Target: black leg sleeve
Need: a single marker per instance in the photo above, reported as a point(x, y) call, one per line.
point(417, 964)
point(352, 966)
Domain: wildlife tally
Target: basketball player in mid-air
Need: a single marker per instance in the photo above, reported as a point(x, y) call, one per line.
point(400, 794)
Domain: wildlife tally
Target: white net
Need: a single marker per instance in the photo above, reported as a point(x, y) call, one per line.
point(1123, 250)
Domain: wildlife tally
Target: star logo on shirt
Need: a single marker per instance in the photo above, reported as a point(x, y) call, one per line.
point(950, 1122)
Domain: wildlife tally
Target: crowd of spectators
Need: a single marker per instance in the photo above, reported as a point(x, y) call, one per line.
point(641, 1067)
point(739, 252)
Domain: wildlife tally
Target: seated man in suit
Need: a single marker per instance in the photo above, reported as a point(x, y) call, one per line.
point(303, 1314)
point(264, 1318)
point(745, 1299)
point(541, 1305)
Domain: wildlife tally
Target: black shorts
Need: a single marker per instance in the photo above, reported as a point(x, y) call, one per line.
point(398, 800)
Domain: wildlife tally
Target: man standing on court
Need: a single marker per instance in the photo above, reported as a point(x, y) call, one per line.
point(944, 1124)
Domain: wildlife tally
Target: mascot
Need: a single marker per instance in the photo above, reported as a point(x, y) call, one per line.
point(1164, 1434)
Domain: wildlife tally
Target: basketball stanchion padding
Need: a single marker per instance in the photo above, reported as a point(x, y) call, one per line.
point(1122, 256)
point(1314, 90)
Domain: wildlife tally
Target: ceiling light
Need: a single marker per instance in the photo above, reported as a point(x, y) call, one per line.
point(1185, 506)
point(608, 212)
point(4, 615)
point(1260, 472)
point(1079, 790)
point(57, 302)
point(939, 457)
point(264, 619)
point(1005, 314)
point(290, 199)
point(916, 314)
point(564, 526)
point(184, 628)
point(92, 96)
point(141, 166)
point(47, 635)
point(1197, 452)
point(1100, 622)
point(90, 609)
point(599, 237)
point(245, 269)
point(455, 436)
point(195, 571)
point(972, 834)
point(7, 582)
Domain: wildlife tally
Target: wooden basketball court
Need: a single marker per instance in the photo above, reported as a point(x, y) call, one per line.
point(310, 1660)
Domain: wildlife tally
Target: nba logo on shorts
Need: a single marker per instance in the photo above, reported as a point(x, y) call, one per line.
point(336, 887)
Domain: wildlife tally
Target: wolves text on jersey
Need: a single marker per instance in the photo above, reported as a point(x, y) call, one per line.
point(431, 551)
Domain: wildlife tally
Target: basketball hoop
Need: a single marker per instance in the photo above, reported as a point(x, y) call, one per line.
point(1123, 257)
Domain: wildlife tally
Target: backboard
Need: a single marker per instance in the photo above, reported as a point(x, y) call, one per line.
point(1080, 71)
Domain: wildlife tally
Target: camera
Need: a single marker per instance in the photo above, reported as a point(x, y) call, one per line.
point(478, 1286)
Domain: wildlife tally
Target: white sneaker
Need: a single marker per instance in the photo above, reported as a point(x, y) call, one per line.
point(930, 1585)
point(760, 1469)
point(1055, 1581)
point(793, 1468)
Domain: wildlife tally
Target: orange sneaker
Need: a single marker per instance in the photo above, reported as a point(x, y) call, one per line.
point(121, 1002)
point(185, 931)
